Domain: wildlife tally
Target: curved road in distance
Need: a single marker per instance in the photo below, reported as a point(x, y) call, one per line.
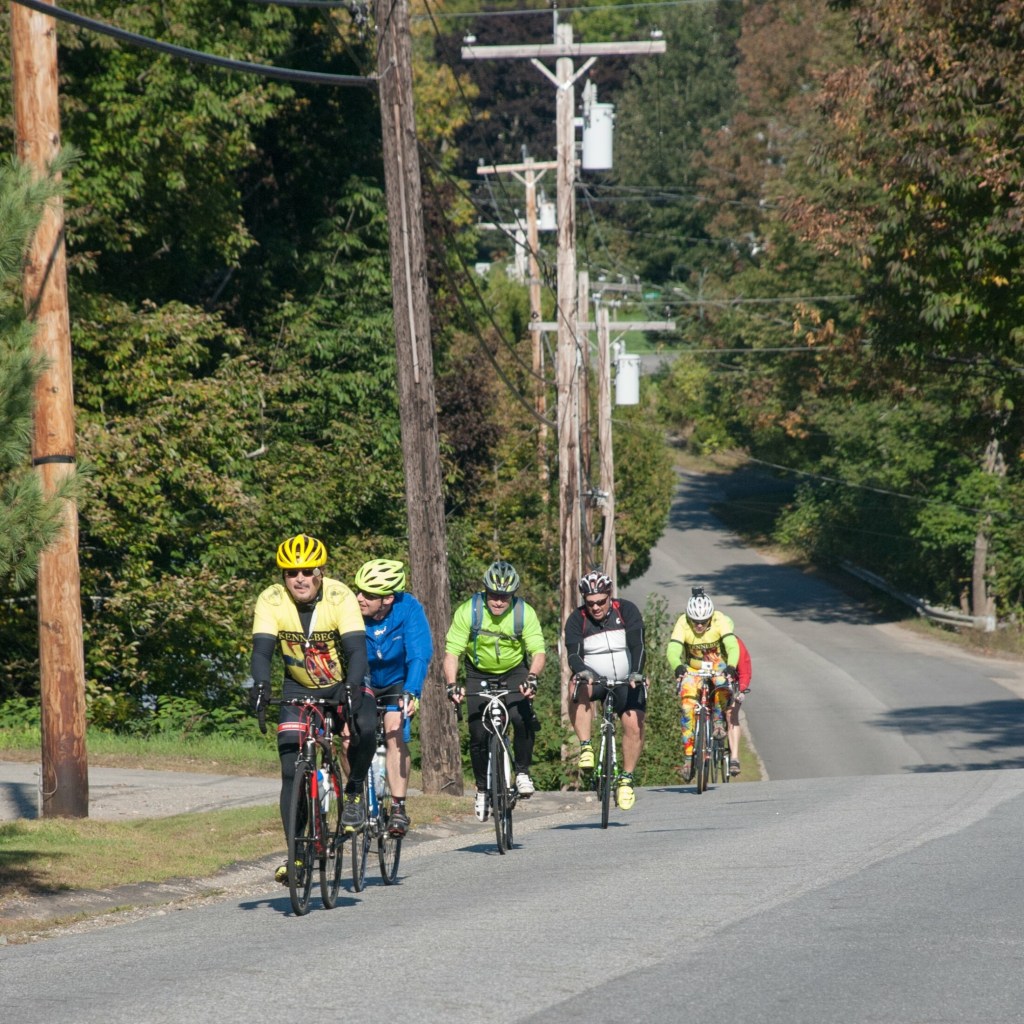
point(836, 691)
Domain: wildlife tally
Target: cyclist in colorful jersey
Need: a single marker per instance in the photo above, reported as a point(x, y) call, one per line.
point(701, 634)
point(399, 649)
point(504, 648)
point(604, 638)
point(315, 622)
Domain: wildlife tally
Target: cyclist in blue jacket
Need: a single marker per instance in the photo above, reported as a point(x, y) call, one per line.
point(398, 648)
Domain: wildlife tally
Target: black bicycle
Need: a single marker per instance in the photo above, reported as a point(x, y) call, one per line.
point(377, 798)
point(314, 828)
point(606, 768)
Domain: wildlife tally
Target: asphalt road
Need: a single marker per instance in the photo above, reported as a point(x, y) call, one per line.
point(876, 879)
point(893, 899)
point(836, 691)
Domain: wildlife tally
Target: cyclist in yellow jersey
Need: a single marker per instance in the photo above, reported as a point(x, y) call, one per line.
point(504, 647)
point(701, 634)
point(316, 623)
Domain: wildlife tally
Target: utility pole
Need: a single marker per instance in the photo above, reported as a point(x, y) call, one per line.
point(567, 362)
point(609, 554)
point(528, 169)
point(65, 768)
point(421, 449)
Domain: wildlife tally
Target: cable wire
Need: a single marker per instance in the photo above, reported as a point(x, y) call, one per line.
point(195, 56)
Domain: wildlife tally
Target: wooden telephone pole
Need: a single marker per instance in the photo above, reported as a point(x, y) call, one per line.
point(526, 173)
point(421, 449)
point(65, 770)
point(568, 359)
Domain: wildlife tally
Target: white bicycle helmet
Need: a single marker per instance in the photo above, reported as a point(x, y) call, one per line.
point(700, 607)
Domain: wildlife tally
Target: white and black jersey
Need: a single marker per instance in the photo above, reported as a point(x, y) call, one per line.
point(611, 647)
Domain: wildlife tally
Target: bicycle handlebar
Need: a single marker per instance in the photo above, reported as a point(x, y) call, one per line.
point(262, 705)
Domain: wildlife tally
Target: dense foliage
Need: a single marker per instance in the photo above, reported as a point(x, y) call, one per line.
point(851, 295)
point(824, 196)
point(233, 356)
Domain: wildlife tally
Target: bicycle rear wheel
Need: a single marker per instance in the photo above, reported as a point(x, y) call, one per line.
point(701, 753)
point(389, 847)
point(499, 796)
point(607, 771)
point(361, 845)
point(720, 760)
point(301, 839)
point(332, 859)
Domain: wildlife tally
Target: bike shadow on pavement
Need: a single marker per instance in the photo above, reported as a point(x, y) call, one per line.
point(578, 826)
point(283, 904)
point(489, 848)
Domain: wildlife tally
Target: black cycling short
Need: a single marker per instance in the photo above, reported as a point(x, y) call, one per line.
point(624, 698)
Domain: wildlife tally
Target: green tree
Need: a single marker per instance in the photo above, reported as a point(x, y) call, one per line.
point(28, 519)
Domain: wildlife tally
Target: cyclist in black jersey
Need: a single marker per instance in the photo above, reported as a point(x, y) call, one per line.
point(316, 623)
point(604, 638)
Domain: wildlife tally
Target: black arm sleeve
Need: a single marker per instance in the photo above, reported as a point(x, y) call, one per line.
point(358, 668)
point(262, 652)
point(574, 641)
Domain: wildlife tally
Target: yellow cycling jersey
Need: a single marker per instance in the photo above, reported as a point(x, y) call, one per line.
point(311, 658)
point(715, 643)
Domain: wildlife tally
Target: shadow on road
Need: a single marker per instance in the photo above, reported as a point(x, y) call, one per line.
point(995, 725)
point(782, 590)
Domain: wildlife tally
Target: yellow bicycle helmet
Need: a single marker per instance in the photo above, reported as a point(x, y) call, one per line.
point(301, 552)
point(381, 576)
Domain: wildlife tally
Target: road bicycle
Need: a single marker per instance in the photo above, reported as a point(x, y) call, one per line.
point(501, 780)
point(377, 800)
point(606, 768)
point(501, 783)
point(710, 754)
point(314, 828)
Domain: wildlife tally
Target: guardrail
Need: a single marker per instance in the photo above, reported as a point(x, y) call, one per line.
point(950, 616)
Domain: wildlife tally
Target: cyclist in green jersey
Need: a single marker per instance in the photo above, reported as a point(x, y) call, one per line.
point(500, 635)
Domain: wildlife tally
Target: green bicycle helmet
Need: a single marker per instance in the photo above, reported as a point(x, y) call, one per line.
point(301, 552)
point(381, 576)
point(501, 578)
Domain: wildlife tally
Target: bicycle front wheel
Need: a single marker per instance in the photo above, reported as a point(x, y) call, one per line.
point(500, 811)
point(332, 859)
point(389, 847)
point(301, 838)
point(361, 847)
point(607, 772)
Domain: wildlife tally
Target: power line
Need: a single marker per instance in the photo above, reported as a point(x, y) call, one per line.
point(652, 5)
point(877, 490)
point(195, 56)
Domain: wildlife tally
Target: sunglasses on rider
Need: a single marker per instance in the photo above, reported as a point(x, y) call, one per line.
point(305, 573)
point(597, 602)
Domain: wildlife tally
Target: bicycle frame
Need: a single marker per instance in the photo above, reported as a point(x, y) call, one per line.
point(378, 811)
point(314, 832)
point(708, 751)
point(500, 777)
point(606, 767)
